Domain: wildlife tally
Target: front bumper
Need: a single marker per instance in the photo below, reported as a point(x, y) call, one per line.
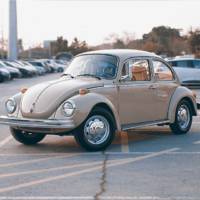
point(37, 123)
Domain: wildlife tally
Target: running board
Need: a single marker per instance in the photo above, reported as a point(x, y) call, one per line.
point(141, 125)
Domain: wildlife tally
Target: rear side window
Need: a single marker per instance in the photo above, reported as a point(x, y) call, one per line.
point(196, 64)
point(162, 71)
point(173, 63)
point(183, 63)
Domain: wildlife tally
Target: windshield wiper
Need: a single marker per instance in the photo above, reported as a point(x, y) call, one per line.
point(92, 75)
point(68, 75)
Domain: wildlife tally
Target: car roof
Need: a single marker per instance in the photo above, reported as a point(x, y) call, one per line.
point(122, 53)
point(182, 59)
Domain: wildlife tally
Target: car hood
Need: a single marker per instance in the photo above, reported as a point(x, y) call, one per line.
point(42, 100)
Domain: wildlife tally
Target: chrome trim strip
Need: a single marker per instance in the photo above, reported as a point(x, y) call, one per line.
point(140, 125)
point(37, 123)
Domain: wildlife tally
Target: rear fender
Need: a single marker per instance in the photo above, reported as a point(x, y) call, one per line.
point(179, 94)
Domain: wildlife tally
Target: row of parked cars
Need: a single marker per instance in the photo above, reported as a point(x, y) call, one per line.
point(21, 68)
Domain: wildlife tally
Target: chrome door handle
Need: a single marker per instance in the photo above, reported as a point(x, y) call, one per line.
point(152, 87)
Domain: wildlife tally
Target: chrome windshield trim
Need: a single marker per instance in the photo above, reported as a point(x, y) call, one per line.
point(37, 123)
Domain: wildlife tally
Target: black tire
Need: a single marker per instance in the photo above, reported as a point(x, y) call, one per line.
point(84, 142)
point(25, 137)
point(176, 127)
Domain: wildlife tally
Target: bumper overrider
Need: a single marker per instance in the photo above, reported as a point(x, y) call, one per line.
point(37, 123)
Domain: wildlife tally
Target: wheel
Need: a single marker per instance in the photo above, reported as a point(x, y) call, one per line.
point(183, 118)
point(97, 132)
point(26, 138)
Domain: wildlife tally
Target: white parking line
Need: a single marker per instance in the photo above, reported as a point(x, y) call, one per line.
point(5, 141)
point(34, 160)
point(100, 153)
point(80, 172)
point(124, 142)
point(196, 142)
point(103, 198)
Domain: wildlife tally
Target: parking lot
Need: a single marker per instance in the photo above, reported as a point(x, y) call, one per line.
point(147, 164)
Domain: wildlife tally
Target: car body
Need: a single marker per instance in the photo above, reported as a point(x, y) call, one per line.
point(57, 66)
point(38, 63)
point(30, 67)
point(188, 77)
point(4, 74)
point(102, 92)
point(26, 72)
point(41, 70)
point(188, 71)
point(14, 73)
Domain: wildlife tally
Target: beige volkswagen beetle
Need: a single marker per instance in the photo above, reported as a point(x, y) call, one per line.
point(102, 92)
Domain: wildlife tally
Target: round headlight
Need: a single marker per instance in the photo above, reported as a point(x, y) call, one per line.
point(11, 106)
point(68, 108)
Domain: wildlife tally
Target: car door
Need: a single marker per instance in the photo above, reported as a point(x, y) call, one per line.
point(137, 92)
point(166, 85)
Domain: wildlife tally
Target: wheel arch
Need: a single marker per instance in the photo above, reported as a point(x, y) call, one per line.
point(86, 103)
point(180, 94)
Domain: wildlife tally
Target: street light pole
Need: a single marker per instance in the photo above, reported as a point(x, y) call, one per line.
point(13, 43)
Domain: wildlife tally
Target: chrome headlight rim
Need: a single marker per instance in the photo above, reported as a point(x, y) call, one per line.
point(71, 108)
point(11, 100)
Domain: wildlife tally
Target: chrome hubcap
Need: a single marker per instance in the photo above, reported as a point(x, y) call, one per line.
point(183, 116)
point(96, 129)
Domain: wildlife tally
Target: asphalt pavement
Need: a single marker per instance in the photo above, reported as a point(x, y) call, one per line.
point(142, 164)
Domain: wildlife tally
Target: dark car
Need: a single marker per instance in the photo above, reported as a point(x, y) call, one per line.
point(24, 71)
point(4, 74)
point(14, 73)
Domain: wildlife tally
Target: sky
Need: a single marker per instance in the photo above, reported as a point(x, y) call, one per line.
point(94, 20)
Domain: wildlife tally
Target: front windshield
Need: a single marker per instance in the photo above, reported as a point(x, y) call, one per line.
point(102, 66)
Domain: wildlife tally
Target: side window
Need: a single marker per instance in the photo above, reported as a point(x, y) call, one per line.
point(182, 63)
point(137, 70)
point(196, 64)
point(162, 71)
point(173, 63)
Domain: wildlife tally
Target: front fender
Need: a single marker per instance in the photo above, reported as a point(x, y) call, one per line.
point(84, 104)
point(180, 93)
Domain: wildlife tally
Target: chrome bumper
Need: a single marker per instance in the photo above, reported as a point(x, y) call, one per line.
point(37, 123)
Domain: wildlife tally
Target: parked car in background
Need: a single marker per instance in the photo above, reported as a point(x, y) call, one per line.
point(41, 70)
point(57, 67)
point(31, 68)
point(102, 92)
point(40, 64)
point(4, 74)
point(14, 73)
point(188, 77)
point(26, 72)
point(188, 71)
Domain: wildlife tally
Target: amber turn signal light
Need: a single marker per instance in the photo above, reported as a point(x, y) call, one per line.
point(194, 94)
point(83, 91)
point(23, 90)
